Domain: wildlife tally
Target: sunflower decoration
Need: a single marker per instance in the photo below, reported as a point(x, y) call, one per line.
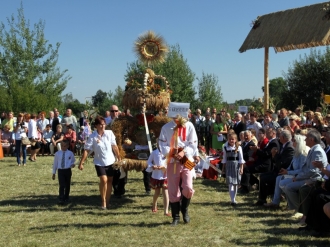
point(150, 48)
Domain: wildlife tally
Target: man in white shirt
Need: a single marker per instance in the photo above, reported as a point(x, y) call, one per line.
point(178, 140)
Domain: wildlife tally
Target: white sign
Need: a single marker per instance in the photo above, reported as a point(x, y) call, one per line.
point(243, 109)
point(177, 108)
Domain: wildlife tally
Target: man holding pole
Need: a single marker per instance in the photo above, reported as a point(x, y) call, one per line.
point(178, 141)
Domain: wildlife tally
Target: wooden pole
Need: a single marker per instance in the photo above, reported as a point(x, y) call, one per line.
point(266, 84)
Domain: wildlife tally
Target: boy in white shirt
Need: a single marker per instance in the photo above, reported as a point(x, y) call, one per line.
point(63, 162)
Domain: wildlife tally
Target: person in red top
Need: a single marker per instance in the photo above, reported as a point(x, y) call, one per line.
point(71, 136)
point(262, 139)
point(262, 142)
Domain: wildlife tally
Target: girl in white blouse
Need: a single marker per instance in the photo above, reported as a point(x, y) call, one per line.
point(158, 180)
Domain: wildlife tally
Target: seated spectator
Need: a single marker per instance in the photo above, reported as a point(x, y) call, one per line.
point(262, 139)
point(318, 123)
point(301, 116)
point(309, 119)
point(46, 139)
point(6, 140)
point(36, 145)
point(286, 175)
point(9, 120)
point(262, 164)
point(247, 142)
point(269, 123)
point(299, 190)
point(284, 120)
point(253, 137)
point(80, 141)
point(42, 121)
point(71, 136)
point(316, 219)
point(282, 159)
point(57, 137)
point(294, 119)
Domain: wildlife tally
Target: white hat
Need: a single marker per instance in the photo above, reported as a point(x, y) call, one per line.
point(177, 108)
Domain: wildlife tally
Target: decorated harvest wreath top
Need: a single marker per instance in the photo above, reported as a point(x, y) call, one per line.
point(150, 48)
point(148, 91)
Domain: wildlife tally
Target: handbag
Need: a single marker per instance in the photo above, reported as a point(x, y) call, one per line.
point(25, 141)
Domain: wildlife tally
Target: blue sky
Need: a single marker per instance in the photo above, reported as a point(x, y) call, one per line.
point(97, 39)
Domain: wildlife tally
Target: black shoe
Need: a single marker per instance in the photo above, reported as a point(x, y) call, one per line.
point(234, 204)
point(175, 222)
point(175, 209)
point(259, 203)
point(148, 192)
point(61, 202)
point(184, 209)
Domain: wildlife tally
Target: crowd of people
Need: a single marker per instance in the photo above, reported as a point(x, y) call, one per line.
point(284, 155)
point(41, 135)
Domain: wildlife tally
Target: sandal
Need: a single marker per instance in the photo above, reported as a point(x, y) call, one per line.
point(154, 210)
point(168, 214)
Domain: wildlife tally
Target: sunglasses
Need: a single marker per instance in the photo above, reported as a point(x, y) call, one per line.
point(114, 111)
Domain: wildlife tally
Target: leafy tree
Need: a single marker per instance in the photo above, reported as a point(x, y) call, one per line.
point(307, 79)
point(179, 75)
point(99, 98)
point(177, 72)
point(277, 89)
point(101, 102)
point(29, 76)
point(253, 104)
point(209, 92)
point(116, 98)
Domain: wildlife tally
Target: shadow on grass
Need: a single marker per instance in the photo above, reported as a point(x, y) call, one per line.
point(34, 203)
point(59, 227)
point(272, 241)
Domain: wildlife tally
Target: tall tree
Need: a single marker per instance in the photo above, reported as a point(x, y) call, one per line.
point(178, 73)
point(116, 98)
point(278, 87)
point(29, 75)
point(209, 92)
point(307, 79)
point(101, 102)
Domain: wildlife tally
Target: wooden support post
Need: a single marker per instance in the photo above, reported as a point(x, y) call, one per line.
point(266, 84)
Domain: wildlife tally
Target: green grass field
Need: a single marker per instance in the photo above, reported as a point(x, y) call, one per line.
point(30, 216)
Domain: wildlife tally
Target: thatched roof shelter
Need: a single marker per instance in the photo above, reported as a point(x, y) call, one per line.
point(291, 29)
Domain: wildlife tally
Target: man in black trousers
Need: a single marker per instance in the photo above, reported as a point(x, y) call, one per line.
point(282, 159)
point(262, 164)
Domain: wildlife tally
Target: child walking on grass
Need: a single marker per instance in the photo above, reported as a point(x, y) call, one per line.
point(63, 162)
point(158, 180)
point(233, 165)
